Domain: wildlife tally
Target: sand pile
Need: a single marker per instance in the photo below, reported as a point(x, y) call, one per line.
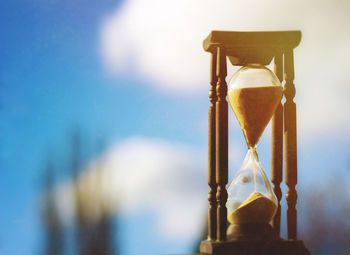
point(256, 209)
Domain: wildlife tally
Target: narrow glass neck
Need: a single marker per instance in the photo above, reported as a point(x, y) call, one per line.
point(252, 148)
point(253, 153)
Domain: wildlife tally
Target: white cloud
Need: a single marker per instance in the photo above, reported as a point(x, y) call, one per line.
point(65, 202)
point(157, 40)
point(166, 178)
point(160, 42)
point(152, 175)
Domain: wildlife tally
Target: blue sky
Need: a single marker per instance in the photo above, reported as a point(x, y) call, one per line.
point(110, 70)
point(52, 83)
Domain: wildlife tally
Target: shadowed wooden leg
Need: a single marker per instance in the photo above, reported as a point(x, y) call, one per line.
point(211, 152)
point(277, 147)
point(290, 145)
point(221, 144)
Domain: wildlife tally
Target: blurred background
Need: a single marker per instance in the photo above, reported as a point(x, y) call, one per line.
point(103, 122)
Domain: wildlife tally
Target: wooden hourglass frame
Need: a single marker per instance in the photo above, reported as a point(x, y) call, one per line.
point(242, 48)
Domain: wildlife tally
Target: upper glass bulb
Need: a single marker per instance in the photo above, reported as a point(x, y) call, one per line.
point(254, 93)
point(253, 75)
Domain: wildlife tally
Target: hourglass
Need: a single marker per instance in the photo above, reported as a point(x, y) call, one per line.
point(254, 93)
point(244, 217)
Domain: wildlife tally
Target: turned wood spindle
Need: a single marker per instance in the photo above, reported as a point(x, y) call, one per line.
point(290, 144)
point(221, 144)
point(211, 151)
point(277, 147)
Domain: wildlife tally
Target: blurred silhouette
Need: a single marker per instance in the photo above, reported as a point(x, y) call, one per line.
point(327, 224)
point(52, 222)
point(81, 224)
point(101, 229)
point(94, 225)
point(93, 221)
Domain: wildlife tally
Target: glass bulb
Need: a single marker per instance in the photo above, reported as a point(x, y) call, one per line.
point(254, 93)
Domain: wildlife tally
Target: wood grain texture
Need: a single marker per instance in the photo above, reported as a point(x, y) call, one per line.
point(212, 226)
point(277, 147)
point(290, 144)
point(221, 144)
point(251, 47)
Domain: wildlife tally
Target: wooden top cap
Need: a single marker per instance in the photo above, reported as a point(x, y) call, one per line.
point(251, 47)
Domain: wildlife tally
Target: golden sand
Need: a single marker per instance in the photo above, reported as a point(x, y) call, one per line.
point(256, 209)
point(254, 108)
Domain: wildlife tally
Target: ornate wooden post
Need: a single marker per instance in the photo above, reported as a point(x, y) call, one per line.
point(221, 144)
point(211, 151)
point(290, 143)
point(277, 146)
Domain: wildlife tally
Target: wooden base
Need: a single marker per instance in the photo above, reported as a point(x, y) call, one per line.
point(276, 247)
point(253, 239)
point(251, 232)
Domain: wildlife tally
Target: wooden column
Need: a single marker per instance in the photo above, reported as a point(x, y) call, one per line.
point(211, 151)
point(221, 144)
point(290, 144)
point(277, 146)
